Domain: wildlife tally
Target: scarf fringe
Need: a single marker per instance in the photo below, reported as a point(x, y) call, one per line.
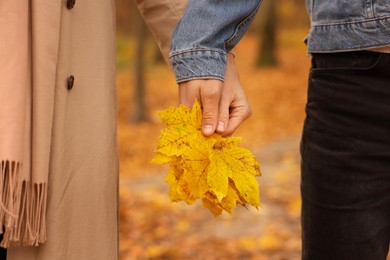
point(22, 208)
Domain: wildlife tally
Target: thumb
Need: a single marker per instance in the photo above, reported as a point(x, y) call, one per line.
point(210, 95)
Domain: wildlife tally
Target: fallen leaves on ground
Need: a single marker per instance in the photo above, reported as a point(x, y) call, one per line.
point(152, 229)
point(213, 169)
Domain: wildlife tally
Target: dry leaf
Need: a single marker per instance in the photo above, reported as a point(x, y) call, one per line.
point(214, 169)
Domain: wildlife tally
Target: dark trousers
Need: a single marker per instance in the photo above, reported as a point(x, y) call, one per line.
point(345, 150)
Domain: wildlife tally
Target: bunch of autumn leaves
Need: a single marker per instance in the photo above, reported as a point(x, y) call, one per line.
point(214, 169)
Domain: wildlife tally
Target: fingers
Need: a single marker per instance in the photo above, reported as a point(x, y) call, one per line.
point(232, 82)
point(225, 105)
point(210, 95)
point(224, 114)
point(238, 115)
point(234, 106)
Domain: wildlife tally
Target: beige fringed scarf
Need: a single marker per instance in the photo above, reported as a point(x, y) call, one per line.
point(23, 192)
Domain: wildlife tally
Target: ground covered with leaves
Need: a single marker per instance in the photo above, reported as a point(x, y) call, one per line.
point(152, 227)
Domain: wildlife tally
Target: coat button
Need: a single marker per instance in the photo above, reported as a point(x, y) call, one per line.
point(70, 82)
point(70, 4)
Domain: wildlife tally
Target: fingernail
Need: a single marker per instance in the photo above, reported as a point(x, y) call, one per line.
point(221, 126)
point(208, 129)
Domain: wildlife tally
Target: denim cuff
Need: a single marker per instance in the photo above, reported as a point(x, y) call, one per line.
point(198, 64)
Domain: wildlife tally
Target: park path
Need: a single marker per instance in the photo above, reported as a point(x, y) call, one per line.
point(154, 228)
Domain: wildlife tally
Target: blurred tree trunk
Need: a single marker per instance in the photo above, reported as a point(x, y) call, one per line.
point(267, 47)
point(139, 84)
point(125, 11)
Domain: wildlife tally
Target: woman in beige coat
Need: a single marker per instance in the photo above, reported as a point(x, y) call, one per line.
point(73, 128)
point(74, 122)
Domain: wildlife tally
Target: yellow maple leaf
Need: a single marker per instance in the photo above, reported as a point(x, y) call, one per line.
point(237, 164)
point(213, 169)
point(228, 203)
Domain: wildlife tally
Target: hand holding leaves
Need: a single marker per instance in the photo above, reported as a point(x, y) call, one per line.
point(225, 104)
point(214, 169)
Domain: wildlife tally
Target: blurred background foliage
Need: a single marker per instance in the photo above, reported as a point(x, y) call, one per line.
point(273, 67)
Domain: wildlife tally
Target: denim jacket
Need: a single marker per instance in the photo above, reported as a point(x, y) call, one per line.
point(346, 25)
point(207, 31)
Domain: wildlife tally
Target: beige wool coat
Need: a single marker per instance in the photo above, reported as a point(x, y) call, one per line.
point(75, 139)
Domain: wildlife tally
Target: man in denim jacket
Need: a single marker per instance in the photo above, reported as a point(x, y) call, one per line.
point(346, 139)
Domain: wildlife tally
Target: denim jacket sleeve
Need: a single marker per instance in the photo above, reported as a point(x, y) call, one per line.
point(207, 31)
